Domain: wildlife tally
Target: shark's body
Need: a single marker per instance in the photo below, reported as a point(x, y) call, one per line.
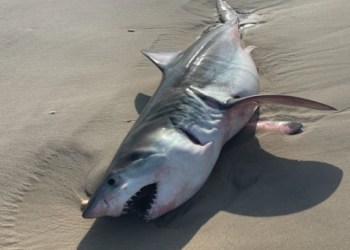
point(207, 94)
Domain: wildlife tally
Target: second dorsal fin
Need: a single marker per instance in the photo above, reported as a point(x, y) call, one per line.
point(161, 58)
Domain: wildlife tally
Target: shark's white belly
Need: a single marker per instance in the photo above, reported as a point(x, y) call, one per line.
point(188, 164)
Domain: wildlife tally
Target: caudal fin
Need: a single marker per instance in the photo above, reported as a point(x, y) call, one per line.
point(226, 13)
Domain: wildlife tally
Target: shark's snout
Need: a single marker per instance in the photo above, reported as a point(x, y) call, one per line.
point(89, 214)
point(95, 208)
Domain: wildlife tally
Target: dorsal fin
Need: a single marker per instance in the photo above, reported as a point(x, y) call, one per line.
point(161, 58)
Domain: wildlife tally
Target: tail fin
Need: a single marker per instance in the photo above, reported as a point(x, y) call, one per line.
point(226, 13)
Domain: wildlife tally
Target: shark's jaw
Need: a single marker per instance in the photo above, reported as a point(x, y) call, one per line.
point(140, 204)
point(142, 201)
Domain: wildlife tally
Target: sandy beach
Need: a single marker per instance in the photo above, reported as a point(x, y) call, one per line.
point(69, 75)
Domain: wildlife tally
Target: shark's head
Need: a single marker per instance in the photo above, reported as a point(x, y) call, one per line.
point(129, 189)
point(151, 177)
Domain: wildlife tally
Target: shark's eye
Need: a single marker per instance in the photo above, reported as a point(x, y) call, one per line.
point(111, 182)
point(236, 97)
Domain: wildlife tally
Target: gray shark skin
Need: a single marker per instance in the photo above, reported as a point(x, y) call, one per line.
point(207, 94)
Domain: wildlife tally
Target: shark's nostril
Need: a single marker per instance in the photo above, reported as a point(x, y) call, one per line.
point(111, 182)
point(105, 202)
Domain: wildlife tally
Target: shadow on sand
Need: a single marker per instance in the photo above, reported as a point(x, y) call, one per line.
point(246, 180)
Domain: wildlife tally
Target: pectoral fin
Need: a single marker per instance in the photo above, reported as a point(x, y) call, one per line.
point(285, 127)
point(141, 101)
point(228, 102)
point(283, 100)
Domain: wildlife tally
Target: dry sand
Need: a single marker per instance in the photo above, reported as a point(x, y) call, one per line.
point(69, 73)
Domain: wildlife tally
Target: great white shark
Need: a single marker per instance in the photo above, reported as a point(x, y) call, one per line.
point(207, 94)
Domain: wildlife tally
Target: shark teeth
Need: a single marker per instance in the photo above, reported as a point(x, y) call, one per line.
point(142, 201)
point(147, 216)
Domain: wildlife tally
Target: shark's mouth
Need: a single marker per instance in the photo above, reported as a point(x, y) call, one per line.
point(141, 202)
